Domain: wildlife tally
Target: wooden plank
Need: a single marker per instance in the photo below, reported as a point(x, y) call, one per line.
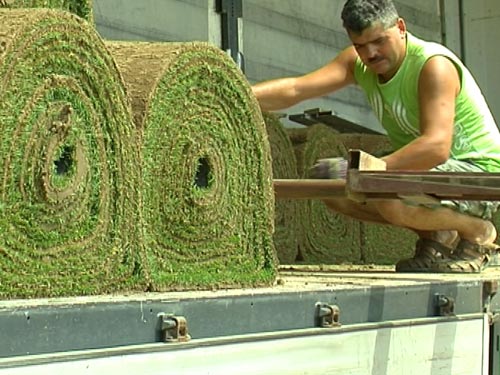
point(363, 161)
point(309, 188)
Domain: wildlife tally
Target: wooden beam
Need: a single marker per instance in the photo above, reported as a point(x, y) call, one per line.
point(361, 161)
point(309, 189)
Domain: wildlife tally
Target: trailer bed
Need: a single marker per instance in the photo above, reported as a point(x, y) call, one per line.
point(336, 314)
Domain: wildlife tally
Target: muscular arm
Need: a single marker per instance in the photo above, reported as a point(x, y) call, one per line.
point(439, 85)
point(285, 92)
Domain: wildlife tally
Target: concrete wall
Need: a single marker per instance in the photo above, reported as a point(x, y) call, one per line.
point(292, 37)
point(482, 52)
point(154, 20)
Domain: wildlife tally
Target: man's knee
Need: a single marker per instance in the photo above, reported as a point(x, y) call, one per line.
point(364, 212)
point(392, 211)
point(337, 205)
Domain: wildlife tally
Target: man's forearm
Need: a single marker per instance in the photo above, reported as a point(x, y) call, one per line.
point(276, 94)
point(421, 154)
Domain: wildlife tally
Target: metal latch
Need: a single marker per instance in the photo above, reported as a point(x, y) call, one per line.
point(445, 305)
point(174, 328)
point(493, 318)
point(490, 289)
point(327, 316)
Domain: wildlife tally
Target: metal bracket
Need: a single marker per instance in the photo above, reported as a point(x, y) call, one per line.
point(332, 119)
point(174, 328)
point(445, 305)
point(327, 316)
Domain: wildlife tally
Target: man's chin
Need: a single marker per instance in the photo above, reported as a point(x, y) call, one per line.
point(379, 68)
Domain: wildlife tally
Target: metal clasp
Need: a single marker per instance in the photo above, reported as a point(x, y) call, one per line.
point(327, 316)
point(174, 328)
point(445, 305)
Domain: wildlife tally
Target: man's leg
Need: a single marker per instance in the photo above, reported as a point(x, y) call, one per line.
point(369, 212)
point(422, 218)
point(431, 246)
point(364, 212)
point(474, 247)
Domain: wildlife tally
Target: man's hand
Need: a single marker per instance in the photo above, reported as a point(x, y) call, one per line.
point(332, 168)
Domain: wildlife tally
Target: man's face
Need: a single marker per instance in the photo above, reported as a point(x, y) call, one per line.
point(381, 49)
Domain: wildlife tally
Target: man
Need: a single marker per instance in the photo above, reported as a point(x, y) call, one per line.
point(434, 115)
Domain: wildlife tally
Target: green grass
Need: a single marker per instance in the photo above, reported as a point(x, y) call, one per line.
point(208, 198)
point(69, 188)
point(82, 8)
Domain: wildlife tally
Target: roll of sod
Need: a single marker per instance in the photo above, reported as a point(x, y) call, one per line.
point(327, 237)
point(208, 198)
point(68, 195)
point(383, 244)
point(82, 8)
point(286, 216)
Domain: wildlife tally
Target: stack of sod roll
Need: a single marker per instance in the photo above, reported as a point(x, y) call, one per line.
point(383, 244)
point(69, 198)
point(207, 186)
point(331, 238)
point(161, 182)
point(327, 237)
point(286, 217)
point(82, 8)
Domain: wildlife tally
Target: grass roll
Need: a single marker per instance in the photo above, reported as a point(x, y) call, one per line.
point(208, 197)
point(82, 8)
point(327, 237)
point(383, 244)
point(69, 203)
point(286, 217)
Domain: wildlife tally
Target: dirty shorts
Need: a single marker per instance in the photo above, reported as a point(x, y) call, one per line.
point(482, 209)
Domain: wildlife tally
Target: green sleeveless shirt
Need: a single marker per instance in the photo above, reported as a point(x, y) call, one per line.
point(476, 137)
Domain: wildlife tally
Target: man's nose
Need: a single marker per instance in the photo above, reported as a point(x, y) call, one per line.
point(371, 51)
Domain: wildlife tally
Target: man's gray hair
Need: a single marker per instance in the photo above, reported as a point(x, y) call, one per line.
point(359, 15)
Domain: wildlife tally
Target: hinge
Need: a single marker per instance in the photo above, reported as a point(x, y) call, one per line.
point(445, 305)
point(327, 316)
point(173, 328)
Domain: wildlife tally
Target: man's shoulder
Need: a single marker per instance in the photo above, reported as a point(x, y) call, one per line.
point(427, 48)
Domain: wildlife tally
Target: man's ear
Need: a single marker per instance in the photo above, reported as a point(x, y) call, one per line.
point(401, 25)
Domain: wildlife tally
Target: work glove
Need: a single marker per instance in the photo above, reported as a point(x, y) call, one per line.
point(331, 168)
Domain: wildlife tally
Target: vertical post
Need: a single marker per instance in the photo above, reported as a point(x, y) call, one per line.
point(462, 30)
point(231, 11)
point(214, 24)
point(451, 26)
